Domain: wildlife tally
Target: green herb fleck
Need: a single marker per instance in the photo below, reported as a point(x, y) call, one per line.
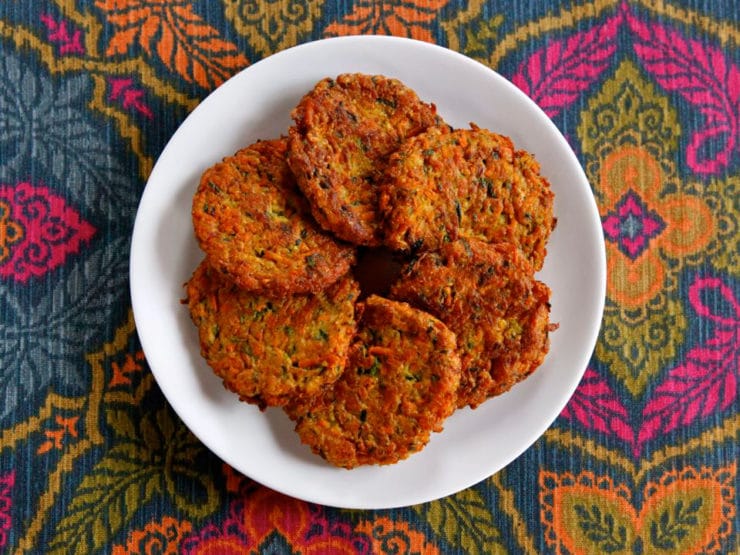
point(391, 103)
point(259, 315)
point(488, 184)
point(373, 371)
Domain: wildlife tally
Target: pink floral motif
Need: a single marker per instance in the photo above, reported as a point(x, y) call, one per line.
point(7, 482)
point(229, 537)
point(122, 90)
point(554, 76)
point(596, 406)
point(707, 381)
point(701, 75)
point(58, 32)
point(267, 521)
point(49, 230)
point(632, 224)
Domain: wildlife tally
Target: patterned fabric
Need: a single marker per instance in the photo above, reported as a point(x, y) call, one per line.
point(642, 460)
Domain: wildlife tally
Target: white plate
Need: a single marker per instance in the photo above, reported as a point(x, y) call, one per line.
point(256, 103)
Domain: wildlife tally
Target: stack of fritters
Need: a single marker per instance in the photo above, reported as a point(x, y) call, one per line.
point(487, 295)
point(280, 315)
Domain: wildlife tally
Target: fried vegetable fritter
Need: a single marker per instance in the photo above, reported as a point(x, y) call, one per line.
point(255, 226)
point(487, 295)
point(398, 386)
point(469, 183)
point(270, 351)
point(344, 130)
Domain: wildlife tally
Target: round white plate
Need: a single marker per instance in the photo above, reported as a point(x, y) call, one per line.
point(256, 104)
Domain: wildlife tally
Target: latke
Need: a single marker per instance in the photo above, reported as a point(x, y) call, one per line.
point(256, 228)
point(469, 183)
point(270, 351)
point(344, 129)
point(398, 386)
point(487, 295)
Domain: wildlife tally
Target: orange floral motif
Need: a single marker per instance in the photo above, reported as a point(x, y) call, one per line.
point(635, 216)
point(122, 372)
point(55, 438)
point(683, 512)
point(391, 536)
point(178, 36)
point(161, 537)
point(261, 520)
point(410, 18)
point(271, 512)
point(655, 223)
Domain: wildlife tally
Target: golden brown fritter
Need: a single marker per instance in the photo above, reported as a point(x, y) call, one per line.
point(533, 206)
point(470, 183)
point(269, 351)
point(399, 386)
point(344, 130)
point(487, 295)
point(256, 228)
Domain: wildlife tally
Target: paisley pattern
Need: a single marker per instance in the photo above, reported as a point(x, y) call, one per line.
point(38, 231)
point(162, 537)
point(654, 224)
point(269, 522)
point(273, 26)
point(643, 459)
point(44, 131)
